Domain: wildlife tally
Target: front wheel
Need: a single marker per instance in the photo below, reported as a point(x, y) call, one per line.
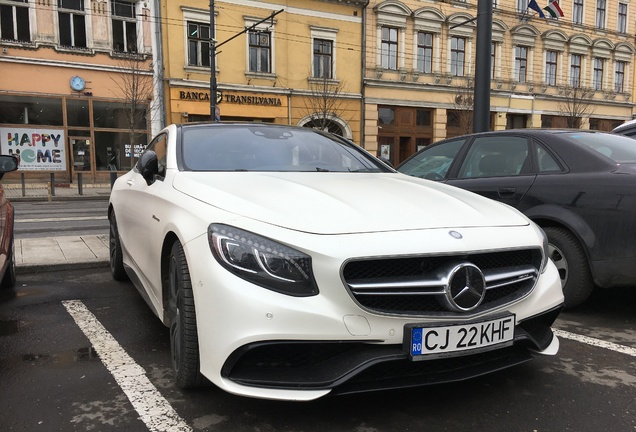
point(184, 344)
point(116, 260)
point(569, 257)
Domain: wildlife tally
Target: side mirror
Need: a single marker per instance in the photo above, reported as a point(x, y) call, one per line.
point(149, 166)
point(8, 163)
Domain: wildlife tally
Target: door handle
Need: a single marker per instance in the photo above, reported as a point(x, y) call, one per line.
point(507, 191)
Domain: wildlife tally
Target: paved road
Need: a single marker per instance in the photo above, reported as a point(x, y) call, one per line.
point(59, 218)
point(53, 380)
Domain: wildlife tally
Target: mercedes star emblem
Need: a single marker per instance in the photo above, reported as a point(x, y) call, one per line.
point(466, 288)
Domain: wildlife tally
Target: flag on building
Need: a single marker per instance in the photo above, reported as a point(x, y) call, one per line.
point(532, 4)
point(554, 9)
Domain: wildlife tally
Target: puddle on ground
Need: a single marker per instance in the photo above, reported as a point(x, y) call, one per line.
point(86, 354)
point(9, 327)
point(68, 357)
point(35, 358)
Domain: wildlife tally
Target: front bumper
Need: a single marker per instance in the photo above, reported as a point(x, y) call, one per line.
point(351, 367)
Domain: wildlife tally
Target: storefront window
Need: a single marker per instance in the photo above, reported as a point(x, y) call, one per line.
point(77, 113)
point(116, 116)
point(386, 116)
point(423, 118)
point(114, 152)
point(31, 110)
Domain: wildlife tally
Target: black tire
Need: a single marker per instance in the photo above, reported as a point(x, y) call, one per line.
point(116, 259)
point(184, 343)
point(569, 257)
point(8, 281)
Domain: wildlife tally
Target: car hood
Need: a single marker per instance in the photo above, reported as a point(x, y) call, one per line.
point(339, 203)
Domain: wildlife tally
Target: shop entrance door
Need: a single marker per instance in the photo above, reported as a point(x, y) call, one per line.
point(81, 154)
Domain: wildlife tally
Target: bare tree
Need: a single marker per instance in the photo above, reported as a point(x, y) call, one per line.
point(576, 104)
point(460, 116)
point(325, 102)
point(133, 83)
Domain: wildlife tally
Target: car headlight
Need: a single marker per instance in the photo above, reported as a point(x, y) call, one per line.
point(546, 253)
point(262, 261)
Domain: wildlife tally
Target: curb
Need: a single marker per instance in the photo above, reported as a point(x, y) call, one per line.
point(59, 198)
point(22, 269)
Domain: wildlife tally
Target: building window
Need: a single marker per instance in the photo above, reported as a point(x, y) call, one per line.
point(619, 77)
point(72, 23)
point(422, 117)
point(124, 26)
point(600, 14)
point(323, 58)
point(577, 12)
point(198, 44)
point(386, 116)
point(14, 22)
point(389, 48)
point(575, 70)
point(521, 63)
point(522, 6)
point(551, 67)
point(597, 81)
point(260, 51)
point(425, 52)
point(622, 18)
point(458, 55)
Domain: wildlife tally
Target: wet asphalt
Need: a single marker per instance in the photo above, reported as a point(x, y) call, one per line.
point(52, 379)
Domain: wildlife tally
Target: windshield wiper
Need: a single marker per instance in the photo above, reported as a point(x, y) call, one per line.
point(322, 169)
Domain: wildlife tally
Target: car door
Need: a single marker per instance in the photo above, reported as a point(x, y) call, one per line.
point(135, 212)
point(498, 167)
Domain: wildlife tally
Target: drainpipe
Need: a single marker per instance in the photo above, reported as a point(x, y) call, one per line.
point(363, 44)
point(289, 107)
point(158, 68)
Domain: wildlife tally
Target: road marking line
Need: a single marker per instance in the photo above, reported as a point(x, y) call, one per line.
point(67, 219)
point(154, 410)
point(596, 342)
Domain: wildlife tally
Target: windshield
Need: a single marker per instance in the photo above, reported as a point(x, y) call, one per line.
point(271, 148)
point(618, 148)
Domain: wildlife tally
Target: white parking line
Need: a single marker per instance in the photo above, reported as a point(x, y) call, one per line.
point(155, 411)
point(596, 342)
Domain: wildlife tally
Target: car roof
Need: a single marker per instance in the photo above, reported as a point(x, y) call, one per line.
point(627, 125)
point(530, 131)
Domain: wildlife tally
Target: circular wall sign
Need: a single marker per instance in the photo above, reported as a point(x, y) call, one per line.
point(78, 83)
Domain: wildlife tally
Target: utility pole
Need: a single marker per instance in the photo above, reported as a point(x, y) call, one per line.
point(213, 86)
point(481, 109)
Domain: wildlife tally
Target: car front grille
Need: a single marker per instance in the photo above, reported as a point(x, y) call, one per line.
point(416, 285)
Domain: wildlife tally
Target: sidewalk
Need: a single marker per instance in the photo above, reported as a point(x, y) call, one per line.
point(61, 253)
point(40, 192)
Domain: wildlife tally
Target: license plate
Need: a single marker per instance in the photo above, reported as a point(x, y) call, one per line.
point(454, 340)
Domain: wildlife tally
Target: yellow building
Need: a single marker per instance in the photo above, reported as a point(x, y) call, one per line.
point(67, 68)
point(299, 62)
point(574, 71)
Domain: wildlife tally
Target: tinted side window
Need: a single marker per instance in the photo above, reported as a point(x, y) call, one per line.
point(496, 156)
point(546, 162)
point(433, 163)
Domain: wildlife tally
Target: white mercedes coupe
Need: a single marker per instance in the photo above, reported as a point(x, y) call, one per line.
point(290, 264)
